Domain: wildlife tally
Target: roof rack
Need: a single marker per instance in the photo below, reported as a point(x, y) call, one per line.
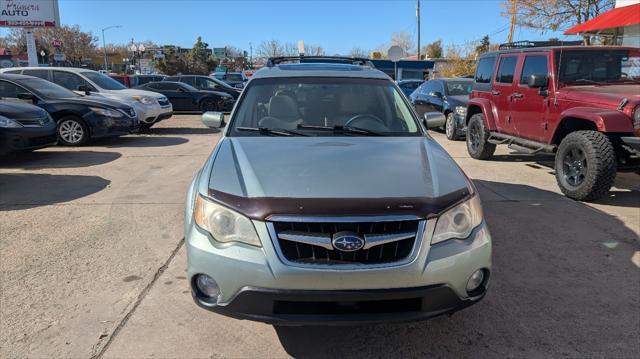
point(328, 59)
point(528, 44)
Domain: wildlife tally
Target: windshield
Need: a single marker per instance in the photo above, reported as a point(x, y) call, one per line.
point(314, 106)
point(211, 83)
point(103, 81)
point(459, 88)
point(598, 66)
point(46, 89)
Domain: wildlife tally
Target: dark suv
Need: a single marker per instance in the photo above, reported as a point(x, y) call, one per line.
point(581, 103)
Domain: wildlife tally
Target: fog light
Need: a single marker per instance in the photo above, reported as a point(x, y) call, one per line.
point(475, 281)
point(207, 286)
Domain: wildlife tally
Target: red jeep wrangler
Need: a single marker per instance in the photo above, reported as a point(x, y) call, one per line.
point(580, 102)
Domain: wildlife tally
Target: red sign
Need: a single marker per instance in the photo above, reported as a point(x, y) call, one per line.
point(56, 43)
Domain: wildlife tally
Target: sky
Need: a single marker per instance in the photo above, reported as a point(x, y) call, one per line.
point(336, 25)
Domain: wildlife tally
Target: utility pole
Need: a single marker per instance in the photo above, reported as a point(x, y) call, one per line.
point(250, 55)
point(418, 16)
point(513, 11)
point(104, 43)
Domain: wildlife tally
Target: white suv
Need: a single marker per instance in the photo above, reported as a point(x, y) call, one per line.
point(151, 107)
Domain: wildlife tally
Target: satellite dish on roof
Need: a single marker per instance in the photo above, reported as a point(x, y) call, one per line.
point(395, 53)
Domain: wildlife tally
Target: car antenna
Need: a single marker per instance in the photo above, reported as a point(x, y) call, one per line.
point(557, 74)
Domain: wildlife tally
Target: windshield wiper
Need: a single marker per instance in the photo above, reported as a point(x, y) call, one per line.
point(586, 81)
point(271, 131)
point(342, 129)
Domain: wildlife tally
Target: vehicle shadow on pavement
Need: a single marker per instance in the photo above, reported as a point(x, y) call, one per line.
point(140, 141)
point(27, 190)
point(180, 131)
point(58, 159)
point(564, 283)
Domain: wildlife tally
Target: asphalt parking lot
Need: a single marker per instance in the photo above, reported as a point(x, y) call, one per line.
point(93, 264)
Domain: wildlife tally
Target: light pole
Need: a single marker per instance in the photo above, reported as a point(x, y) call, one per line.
point(104, 43)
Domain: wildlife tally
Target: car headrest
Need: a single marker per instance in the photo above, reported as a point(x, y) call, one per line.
point(283, 107)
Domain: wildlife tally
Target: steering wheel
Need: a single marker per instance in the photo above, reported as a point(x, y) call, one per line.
point(364, 117)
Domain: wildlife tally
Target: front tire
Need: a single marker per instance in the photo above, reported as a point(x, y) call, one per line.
point(208, 105)
point(450, 129)
point(585, 165)
point(72, 131)
point(478, 145)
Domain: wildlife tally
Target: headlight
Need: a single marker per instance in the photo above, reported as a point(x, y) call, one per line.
point(145, 100)
point(459, 221)
point(223, 224)
point(106, 112)
point(461, 110)
point(8, 123)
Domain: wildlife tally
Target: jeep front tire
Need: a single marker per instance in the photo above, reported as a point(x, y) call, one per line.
point(585, 165)
point(478, 145)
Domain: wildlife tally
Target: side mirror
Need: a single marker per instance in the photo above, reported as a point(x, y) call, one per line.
point(26, 96)
point(538, 81)
point(85, 89)
point(213, 119)
point(434, 119)
point(436, 94)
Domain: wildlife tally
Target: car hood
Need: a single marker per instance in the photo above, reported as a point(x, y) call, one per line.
point(460, 100)
point(603, 95)
point(89, 101)
point(261, 176)
point(133, 92)
point(21, 111)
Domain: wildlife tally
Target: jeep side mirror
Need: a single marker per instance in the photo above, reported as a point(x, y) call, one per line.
point(434, 119)
point(437, 94)
point(538, 81)
point(213, 119)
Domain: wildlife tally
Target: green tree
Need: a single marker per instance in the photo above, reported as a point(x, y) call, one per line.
point(172, 64)
point(434, 50)
point(198, 61)
point(483, 46)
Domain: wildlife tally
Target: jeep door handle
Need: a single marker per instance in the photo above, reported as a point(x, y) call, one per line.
point(517, 95)
point(495, 93)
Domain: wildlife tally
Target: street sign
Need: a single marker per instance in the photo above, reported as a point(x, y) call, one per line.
point(395, 53)
point(56, 43)
point(29, 13)
point(59, 57)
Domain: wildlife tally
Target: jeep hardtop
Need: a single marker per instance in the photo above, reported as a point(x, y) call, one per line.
point(580, 102)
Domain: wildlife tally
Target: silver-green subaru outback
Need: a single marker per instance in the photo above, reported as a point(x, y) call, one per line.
point(326, 202)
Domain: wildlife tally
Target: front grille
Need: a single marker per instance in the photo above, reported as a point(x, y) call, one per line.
point(33, 122)
point(296, 250)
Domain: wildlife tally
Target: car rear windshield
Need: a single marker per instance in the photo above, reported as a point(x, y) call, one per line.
point(299, 104)
point(103, 81)
point(599, 66)
point(459, 88)
point(233, 77)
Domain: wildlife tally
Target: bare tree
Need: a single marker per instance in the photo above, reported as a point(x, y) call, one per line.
point(77, 45)
point(546, 15)
point(358, 52)
point(460, 62)
point(403, 40)
point(270, 48)
point(313, 50)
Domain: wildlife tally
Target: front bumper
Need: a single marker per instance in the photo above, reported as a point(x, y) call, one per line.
point(255, 282)
point(27, 138)
point(101, 126)
point(152, 113)
point(461, 127)
point(343, 307)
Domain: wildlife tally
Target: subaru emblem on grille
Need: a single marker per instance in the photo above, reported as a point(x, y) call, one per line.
point(347, 241)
